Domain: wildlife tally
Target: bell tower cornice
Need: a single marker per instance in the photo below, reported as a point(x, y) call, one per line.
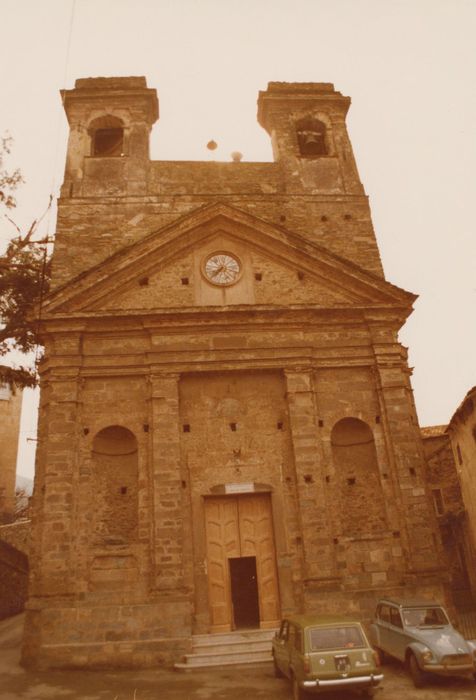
point(306, 122)
point(90, 93)
point(284, 97)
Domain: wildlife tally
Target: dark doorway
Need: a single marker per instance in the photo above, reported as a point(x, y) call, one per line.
point(244, 591)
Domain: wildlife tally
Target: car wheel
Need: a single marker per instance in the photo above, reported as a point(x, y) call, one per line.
point(298, 693)
point(277, 671)
point(416, 673)
point(382, 655)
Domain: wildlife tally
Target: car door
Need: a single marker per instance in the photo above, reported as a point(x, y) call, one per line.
point(296, 650)
point(382, 632)
point(396, 637)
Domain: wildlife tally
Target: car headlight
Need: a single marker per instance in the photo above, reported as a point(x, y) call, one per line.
point(427, 657)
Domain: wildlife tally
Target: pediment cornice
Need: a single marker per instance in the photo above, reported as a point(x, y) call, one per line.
point(83, 294)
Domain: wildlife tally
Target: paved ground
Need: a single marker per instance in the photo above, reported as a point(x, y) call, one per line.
point(226, 684)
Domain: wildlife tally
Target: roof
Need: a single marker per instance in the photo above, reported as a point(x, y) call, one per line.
point(433, 431)
point(310, 620)
point(465, 408)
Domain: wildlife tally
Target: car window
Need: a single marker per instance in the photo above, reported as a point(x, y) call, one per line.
point(424, 617)
point(383, 613)
point(348, 637)
point(395, 618)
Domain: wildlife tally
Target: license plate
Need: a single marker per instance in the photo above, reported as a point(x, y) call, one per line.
point(342, 663)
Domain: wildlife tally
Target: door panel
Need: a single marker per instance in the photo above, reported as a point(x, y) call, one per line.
point(257, 539)
point(221, 522)
point(240, 526)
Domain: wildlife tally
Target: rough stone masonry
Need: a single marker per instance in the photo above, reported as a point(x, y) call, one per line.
point(225, 404)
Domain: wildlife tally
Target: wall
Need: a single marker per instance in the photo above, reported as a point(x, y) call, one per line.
point(462, 433)
point(14, 549)
point(10, 408)
point(160, 389)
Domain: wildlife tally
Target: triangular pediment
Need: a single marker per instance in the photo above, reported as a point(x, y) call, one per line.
point(167, 269)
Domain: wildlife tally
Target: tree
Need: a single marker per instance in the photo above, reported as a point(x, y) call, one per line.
point(24, 279)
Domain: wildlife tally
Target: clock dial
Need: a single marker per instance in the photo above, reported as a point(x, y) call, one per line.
point(222, 268)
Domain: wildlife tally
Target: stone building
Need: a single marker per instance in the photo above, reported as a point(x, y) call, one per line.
point(462, 434)
point(10, 409)
point(444, 485)
point(227, 429)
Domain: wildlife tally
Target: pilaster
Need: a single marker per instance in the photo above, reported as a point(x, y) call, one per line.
point(54, 498)
point(317, 547)
point(407, 459)
point(167, 488)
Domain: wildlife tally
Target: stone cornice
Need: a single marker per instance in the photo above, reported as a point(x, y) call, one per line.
point(162, 246)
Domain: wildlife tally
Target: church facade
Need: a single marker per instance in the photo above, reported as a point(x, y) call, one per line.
point(227, 428)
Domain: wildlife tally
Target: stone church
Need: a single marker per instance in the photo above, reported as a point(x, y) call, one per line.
point(227, 427)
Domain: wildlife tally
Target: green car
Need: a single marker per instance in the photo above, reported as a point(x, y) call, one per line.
point(325, 652)
point(419, 633)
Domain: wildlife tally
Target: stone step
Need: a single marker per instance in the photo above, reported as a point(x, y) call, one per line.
point(224, 659)
point(228, 649)
point(245, 645)
point(232, 637)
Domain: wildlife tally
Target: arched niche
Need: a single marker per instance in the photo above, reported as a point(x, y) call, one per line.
point(356, 465)
point(107, 136)
point(312, 137)
point(115, 485)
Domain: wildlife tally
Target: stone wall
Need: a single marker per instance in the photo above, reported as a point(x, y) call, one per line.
point(17, 535)
point(14, 548)
point(462, 434)
point(10, 408)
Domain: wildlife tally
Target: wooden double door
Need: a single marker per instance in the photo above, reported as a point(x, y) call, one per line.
point(241, 559)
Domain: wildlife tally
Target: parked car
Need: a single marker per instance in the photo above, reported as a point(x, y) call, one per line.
point(318, 652)
point(420, 634)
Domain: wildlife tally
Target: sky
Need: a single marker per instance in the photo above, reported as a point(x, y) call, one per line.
point(408, 65)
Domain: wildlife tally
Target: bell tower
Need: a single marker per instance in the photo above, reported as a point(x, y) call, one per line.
point(306, 122)
point(108, 150)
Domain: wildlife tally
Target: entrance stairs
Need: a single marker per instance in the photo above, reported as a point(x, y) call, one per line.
point(248, 646)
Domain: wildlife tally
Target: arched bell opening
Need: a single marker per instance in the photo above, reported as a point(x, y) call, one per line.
point(107, 137)
point(312, 137)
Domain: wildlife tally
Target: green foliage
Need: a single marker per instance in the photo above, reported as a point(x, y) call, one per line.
point(24, 279)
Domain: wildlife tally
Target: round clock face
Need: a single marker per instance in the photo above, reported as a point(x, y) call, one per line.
point(222, 268)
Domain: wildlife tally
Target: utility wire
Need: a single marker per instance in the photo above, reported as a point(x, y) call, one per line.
point(49, 238)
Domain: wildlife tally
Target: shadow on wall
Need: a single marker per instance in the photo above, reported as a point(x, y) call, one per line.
point(13, 580)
